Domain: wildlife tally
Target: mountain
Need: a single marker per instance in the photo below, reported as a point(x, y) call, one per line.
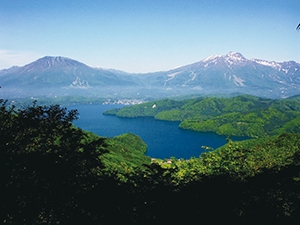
point(233, 73)
point(217, 74)
point(60, 75)
point(61, 71)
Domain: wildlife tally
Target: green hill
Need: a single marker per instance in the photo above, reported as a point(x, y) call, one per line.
point(237, 116)
point(55, 173)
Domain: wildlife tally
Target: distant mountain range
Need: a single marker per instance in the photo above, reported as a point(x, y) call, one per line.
point(218, 75)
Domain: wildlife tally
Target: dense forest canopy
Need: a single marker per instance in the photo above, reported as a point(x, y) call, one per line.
point(243, 115)
point(55, 173)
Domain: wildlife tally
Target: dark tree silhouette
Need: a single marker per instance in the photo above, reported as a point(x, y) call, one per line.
point(52, 173)
point(46, 166)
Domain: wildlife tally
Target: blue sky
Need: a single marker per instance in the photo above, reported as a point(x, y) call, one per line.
point(147, 36)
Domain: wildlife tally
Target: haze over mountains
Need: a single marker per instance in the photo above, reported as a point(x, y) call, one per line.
point(218, 74)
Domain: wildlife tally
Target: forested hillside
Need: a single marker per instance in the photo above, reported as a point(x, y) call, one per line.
point(238, 116)
point(55, 173)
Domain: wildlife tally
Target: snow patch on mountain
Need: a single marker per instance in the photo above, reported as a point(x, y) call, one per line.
point(171, 76)
point(215, 74)
point(212, 57)
point(235, 57)
point(230, 59)
point(80, 83)
point(194, 75)
point(238, 81)
point(272, 64)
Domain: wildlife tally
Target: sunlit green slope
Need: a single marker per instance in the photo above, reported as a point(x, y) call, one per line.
point(238, 116)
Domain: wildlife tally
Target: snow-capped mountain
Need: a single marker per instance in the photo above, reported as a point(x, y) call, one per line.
point(232, 58)
point(234, 73)
point(216, 74)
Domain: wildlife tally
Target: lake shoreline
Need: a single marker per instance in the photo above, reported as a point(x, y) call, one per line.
point(164, 138)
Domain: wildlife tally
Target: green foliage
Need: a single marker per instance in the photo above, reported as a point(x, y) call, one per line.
point(195, 108)
point(44, 160)
point(145, 109)
point(238, 116)
point(238, 160)
point(126, 154)
point(243, 181)
point(112, 111)
point(292, 126)
point(55, 173)
point(170, 115)
point(258, 123)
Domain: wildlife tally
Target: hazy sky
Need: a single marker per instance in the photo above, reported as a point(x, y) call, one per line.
point(147, 35)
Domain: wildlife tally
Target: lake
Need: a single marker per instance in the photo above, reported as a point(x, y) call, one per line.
point(164, 138)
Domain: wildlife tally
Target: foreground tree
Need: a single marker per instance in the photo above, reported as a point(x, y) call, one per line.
point(52, 173)
point(47, 165)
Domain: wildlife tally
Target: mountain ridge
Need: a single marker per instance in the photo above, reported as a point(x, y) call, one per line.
point(216, 74)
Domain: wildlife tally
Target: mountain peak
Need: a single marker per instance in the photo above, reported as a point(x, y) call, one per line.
point(234, 57)
point(228, 73)
point(227, 60)
point(212, 57)
point(232, 53)
point(57, 61)
point(48, 62)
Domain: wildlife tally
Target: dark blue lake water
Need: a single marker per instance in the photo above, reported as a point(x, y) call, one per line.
point(164, 139)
